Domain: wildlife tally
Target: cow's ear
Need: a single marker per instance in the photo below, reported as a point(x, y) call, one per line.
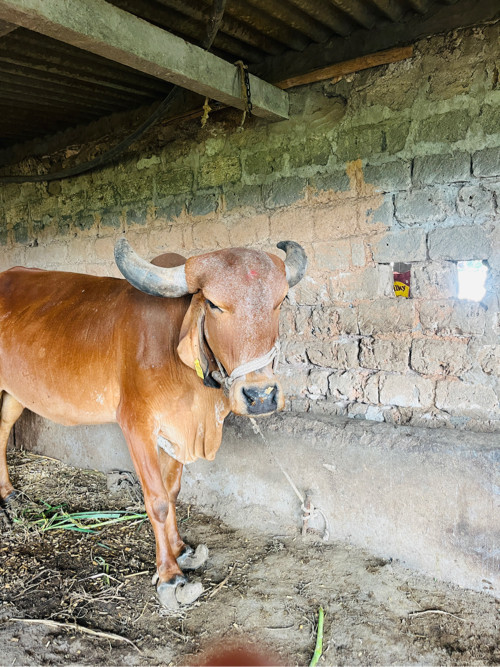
point(192, 348)
point(188, 348)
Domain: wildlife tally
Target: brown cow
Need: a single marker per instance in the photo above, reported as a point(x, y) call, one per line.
point(81, 349)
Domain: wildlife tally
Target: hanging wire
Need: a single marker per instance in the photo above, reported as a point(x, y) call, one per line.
point(213, 25)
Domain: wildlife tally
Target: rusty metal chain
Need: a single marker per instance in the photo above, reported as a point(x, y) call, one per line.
point(249, 105)
point(246, 94)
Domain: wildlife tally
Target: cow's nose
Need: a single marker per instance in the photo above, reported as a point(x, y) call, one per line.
point(260, 400)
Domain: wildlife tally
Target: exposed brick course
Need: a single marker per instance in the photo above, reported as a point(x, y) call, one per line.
point(407, 245)
point(425, 207)
point(459, 243)
point(409, 391)
point(439, 357)
point(486, 162)
point(444, 128)
point(432, 169)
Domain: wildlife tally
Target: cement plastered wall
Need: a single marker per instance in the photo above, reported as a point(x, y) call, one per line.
point(398, 163)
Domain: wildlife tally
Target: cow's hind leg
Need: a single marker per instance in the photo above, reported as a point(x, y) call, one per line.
point(187, 557)
point(171, 585)
point(9, 413)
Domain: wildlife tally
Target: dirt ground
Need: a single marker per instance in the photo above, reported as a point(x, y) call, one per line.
point(261, 590)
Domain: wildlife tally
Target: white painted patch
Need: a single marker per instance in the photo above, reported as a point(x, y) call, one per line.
point(219, 412)
point(169, 448)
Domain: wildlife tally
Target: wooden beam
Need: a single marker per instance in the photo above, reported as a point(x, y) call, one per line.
point(349, 67)
point(97, 26)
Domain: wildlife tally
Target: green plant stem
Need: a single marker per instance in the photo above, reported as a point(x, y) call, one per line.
point(65, 521)
point(318, 651)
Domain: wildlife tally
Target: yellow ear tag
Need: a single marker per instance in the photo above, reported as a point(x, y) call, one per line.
point(199, 371)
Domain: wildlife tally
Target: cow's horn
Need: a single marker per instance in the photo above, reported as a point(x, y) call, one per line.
point(154, 280)
point(295, 261)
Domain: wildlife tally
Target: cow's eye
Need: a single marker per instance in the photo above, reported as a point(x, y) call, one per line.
point(213, 306)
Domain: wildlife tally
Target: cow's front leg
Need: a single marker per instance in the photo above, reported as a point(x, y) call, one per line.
point(187, 557)
point(171, 585)
point(10, 411)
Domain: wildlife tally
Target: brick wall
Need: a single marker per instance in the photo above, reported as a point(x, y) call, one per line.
point(396, 164)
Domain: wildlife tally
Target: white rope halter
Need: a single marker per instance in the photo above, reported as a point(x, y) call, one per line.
point(226, 380)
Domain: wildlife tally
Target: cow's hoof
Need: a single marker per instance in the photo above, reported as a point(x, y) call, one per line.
point(192, 560)
point(5, 502)
point(166, 596)
point(188, 593)
point(175, 592)
point(166, 591)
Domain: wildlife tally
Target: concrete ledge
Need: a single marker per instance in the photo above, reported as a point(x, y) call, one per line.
point(429, 498)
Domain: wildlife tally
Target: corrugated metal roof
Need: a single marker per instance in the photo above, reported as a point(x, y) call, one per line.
point(254, 29)
point(47, 86)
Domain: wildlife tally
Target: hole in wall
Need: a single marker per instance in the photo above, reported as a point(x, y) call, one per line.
point(472, 276)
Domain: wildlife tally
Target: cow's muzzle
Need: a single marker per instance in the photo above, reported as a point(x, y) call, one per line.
point(253, 399)
point(260, 401)
point(252, 387)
